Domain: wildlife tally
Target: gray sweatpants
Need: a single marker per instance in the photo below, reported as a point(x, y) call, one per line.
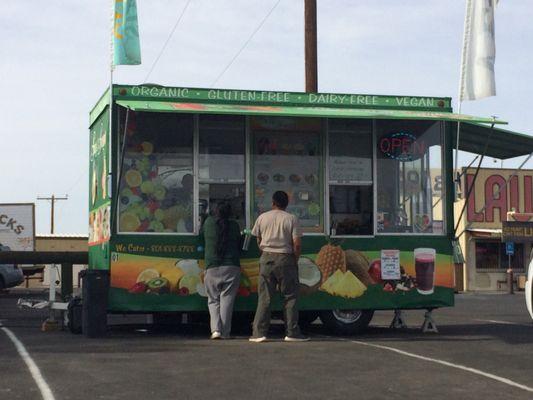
point(221, 285)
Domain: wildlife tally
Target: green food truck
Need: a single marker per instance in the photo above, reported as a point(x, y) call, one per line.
point(370, 178)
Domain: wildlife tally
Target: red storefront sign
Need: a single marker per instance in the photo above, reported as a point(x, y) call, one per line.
point(493, 196)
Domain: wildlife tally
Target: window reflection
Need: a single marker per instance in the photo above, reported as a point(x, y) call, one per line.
point(156, 190)
point(221, 164)
point(350, 177)
point(222, 141)
point(409, 160)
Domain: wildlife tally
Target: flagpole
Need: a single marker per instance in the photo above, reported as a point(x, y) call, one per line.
point(466, 44)
point(111, 69)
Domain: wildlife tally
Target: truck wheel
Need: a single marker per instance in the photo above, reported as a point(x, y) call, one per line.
point(242, 322)
point(346, 322)
point(306, 318)
point(166, 319)
point(74, 316)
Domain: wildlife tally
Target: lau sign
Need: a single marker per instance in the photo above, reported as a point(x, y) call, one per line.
point(496, 192)
point(402, 146)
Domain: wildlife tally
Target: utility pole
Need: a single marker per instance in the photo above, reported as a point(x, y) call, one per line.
point(311, 69)
point(52, 199)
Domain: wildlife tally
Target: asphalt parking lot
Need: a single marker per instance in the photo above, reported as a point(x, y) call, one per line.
point(484, 350)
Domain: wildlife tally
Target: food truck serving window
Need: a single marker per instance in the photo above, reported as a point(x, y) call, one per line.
point(350, 177)
point(344, 177)
point(287, 156)
point(156, 186)
point(410, 197)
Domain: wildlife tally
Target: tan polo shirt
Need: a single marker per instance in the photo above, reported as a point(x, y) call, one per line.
point(277, 229)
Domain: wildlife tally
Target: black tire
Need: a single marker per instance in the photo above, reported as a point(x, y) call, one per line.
point(346, 322)
point(306, 318)
point(74, 316)
point(166, 319)
point(242, 322)
point(2, 283)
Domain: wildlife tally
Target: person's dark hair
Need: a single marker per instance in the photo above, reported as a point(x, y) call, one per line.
point(187, 181)
point(222, 215)
point(280, 199)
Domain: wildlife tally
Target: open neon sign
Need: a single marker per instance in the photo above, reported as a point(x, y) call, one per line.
point(402, 146)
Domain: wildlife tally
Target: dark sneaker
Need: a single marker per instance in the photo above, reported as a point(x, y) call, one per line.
point(258, 339)
point(297, 338)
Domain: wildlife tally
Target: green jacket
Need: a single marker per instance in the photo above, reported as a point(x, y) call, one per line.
point(209, 235)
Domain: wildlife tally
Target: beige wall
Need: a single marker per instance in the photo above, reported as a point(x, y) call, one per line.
point(61, 243)
point(57, 243)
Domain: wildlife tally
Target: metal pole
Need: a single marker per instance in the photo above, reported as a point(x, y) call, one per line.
point(111, 69)
point(66, 280)
point(311, 69)
point(510, 288)
point(464, 54)
point(114, 202)
point(52, 215)
point(52, 291)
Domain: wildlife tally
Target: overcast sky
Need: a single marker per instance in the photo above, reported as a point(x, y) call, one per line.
point(54, 65)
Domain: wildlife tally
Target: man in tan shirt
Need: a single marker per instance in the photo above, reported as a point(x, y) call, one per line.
point(279, 240)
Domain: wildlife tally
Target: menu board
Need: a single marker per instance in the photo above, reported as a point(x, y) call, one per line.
point(289, 162)
point(350, 169)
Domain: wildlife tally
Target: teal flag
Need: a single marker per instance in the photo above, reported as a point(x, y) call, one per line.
point(126, 46)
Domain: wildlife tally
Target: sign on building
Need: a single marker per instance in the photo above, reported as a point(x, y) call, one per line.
point(17, 227)
point(516, 231)
point(495, 193)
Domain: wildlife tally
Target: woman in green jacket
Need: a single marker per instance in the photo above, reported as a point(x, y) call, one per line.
point(222, 262)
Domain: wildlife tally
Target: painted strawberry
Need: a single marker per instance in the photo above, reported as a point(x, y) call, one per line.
point(139, 287)
point(388, 287)
point(144, 226)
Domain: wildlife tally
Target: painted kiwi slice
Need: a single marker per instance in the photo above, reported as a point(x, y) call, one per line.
point(158, 285)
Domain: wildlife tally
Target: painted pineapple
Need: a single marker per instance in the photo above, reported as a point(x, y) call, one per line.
point(329, 259)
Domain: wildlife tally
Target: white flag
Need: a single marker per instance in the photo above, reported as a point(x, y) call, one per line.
point(479, 51)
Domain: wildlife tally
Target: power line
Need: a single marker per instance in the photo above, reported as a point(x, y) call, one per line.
point(76, 182)
point(245, 43)
point(168, 39)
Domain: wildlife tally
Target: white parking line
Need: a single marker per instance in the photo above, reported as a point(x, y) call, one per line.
point(495, 321)
point(46, 392)
point(442, 362)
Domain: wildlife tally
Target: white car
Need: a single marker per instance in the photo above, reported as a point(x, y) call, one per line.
point(10, 275)
point(529, 293)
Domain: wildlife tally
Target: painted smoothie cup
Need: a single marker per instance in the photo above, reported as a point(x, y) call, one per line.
point(425, 270)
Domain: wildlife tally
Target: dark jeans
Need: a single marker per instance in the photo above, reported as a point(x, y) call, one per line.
point(277, 271)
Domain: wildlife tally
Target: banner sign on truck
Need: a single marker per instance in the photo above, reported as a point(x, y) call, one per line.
point(390, 264)
point(17, 226)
